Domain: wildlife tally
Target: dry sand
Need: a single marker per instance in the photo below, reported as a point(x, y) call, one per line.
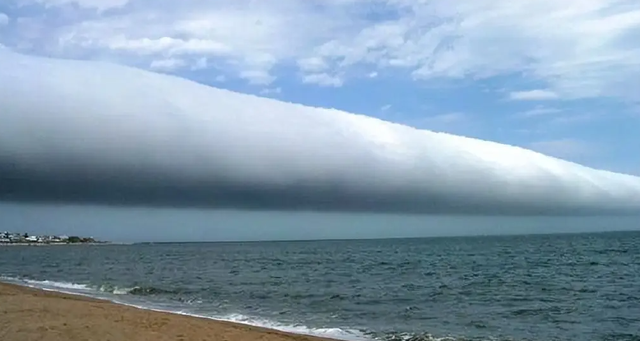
point(30, 314)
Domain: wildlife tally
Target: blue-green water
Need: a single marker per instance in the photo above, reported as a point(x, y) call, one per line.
point(545, 287)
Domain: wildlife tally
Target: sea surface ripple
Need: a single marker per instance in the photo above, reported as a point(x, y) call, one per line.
point(537, 287)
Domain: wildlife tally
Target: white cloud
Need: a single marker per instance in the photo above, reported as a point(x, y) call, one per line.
point(220, 78)
point(184, 143)
point(247, 38)
point(4, 19)
point(322, 79)
point(385, 107)
point(533, 95)
point(538, 111)
point(257, 77)
point(168, 46)
point(557, 116)
point(269, 91)
point(312, 64)
point(576, 118)
point(445, 118)
point(575, 48)
point(167, 64)
point(200, 63)
point(98, 4)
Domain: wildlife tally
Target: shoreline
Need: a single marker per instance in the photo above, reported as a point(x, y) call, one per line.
point(52, 244)
point(28, 313)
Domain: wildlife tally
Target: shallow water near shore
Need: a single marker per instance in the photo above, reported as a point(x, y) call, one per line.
point(544, 287)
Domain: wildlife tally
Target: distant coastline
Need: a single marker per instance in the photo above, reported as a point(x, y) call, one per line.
point(24, 239)
point(53, 244)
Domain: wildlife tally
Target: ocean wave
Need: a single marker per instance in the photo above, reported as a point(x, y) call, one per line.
point(137, 290)
point(104, 288)
point(333, 333)
point(46, 284)
point(61, 285)
point(415, 337)
point(88, 290)
point(344, 333)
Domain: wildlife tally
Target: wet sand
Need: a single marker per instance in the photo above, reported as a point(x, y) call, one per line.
point(28, 314)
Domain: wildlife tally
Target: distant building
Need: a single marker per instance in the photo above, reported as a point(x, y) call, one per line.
point(19, 238)
point(15, 237)
point(32, 239)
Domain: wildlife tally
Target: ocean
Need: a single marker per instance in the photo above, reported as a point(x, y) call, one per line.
point(534, 287)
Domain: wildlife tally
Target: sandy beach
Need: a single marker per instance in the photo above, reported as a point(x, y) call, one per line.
point(28, 314)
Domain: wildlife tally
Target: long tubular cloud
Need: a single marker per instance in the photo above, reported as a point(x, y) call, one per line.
point(91, 132)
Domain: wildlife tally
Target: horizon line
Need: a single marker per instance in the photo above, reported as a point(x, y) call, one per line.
point(485, 235)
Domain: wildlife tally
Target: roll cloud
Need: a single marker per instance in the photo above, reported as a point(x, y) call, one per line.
point(91, 132)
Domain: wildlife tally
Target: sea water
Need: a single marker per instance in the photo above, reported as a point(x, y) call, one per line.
point(536, 287)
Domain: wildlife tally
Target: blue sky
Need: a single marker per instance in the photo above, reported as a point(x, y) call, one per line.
point(557, 77)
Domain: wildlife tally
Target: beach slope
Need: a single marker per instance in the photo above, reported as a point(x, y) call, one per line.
point(28, 314)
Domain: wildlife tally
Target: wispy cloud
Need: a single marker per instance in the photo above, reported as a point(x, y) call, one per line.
point(447, 118)
point(538, 111)
point(323, 79)
point(257, 77)
point(167, 64)
point(171, 142)
point(271, 91)
point(167, 46)
point(95, 4)
point(312, 64)
point(200, 63)
point(555, 116)
point(4, 19)
point(533, 95)
point(573, 49)
point(575, 118)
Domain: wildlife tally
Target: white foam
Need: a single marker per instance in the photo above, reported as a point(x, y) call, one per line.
point(119, 291)
point(67, 287)
point(335, 333)
point(59, 285)
point(87, 291)
point(115, 290)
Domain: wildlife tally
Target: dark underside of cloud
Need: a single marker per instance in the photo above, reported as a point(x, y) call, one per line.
point(93, 133)
point(159, 192)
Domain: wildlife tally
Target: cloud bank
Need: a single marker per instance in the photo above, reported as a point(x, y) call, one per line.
point(91, 132)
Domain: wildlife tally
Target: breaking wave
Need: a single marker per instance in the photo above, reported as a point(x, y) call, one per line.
point(53, 284)
point(345, 333)
point(138, 290)
point(95, 291)
point(104, 288)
